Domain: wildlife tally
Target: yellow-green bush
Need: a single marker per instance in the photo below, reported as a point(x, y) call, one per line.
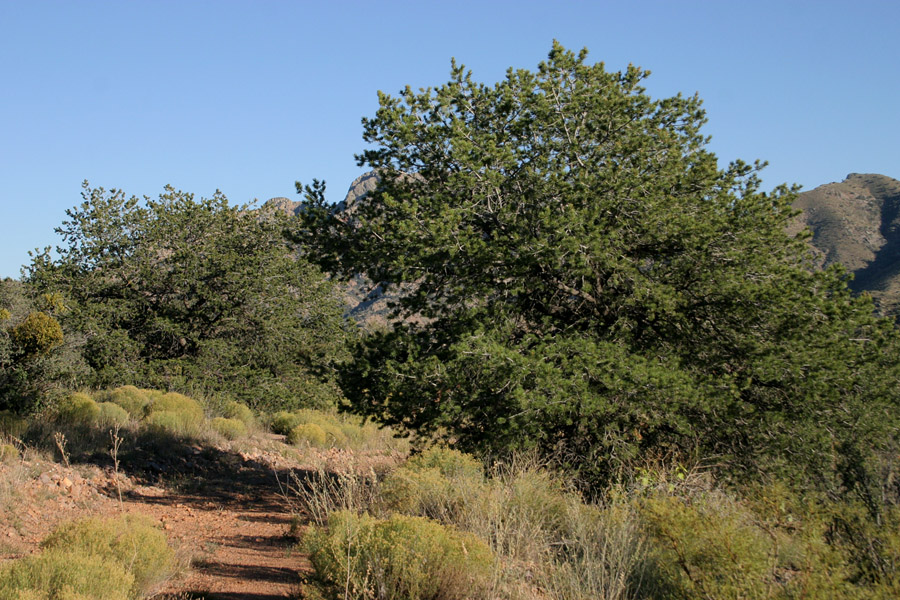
point(231, 429)
point(439, 483)
point(307, 433)
point(36, 335)
point(112, 414)
point(408, 558)
point(174, 413)
point(8, 453)
point(130, 398)
point(239, 411)
point(65, 575)
point(176, 423)
point(712, 545)
point(131, 541)
point(175, 402)
point(79, 409)
point(451, 463)
point(284, 421)
point(12, 424)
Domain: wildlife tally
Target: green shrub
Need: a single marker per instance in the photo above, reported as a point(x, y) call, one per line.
point(64, 575)
point(178, 403)
point(36, 335)
point(400, 558)
point(231, 429)
point(176, 423)
point(451, 463)
point(78, 409)
point(130, 398)
point(307, 433)
point(12, 424)
point(112, 414)
point(174, 413)
point(239, 411)
point(131, 541)
point(8, 453)
point(439, 483)
point(284, 421)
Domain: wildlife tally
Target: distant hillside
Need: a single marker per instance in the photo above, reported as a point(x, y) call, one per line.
point(857, 223)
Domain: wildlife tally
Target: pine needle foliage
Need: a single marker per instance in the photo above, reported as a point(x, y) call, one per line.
point(578, 274)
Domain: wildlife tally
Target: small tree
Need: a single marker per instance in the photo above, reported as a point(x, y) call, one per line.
point(186, 293)
point(580, 275)
point(35, 355)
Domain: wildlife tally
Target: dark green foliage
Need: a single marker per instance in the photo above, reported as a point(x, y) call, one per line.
point(196, 295)
point(579, 275)
point(37, 358)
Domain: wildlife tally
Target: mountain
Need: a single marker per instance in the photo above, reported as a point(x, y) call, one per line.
point(856, 222)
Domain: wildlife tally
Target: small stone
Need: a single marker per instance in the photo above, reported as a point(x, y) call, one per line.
point(65, 482)
point(167, 526)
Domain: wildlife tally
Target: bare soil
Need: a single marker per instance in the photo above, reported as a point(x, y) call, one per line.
point(225, 511)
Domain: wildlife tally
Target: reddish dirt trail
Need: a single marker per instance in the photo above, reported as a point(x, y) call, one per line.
point(223, 511)
point(239, 545)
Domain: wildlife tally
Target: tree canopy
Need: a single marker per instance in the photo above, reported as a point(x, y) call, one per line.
point(579, 274)
point(180, 292)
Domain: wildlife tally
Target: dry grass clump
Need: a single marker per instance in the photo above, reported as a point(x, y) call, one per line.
point(401, 557)
point(8, 453)
point(119, 559)
point(547, 540)
point(230, 429)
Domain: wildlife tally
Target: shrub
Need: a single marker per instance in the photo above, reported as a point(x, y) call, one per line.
point(451, 463)
point(112, 414)
point(231, 429)
point(284, 421)
point(408, 558)
point(128, 397)
point(176, 423)
point(65, 575)
point(12, 424)
point(307, 433)
point(131, 541)
point(8, 453)
point(439, 483)
point(36, 335)
point(175, 402)
point(175, 413)
point(79, 409)
point(241, 412)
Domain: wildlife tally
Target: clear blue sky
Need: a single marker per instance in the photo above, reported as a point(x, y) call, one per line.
point(248, 97)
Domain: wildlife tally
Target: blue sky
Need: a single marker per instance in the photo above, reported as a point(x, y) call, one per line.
point(248, 97)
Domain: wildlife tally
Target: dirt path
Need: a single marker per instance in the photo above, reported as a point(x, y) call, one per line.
point(227, 511)
point(238, 542)
point(222, 510)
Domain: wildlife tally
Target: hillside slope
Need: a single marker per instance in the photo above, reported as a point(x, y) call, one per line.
point(856, 222)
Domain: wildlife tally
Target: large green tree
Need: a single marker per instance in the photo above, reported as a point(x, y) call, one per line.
point(197, 294)
point(576, 272)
